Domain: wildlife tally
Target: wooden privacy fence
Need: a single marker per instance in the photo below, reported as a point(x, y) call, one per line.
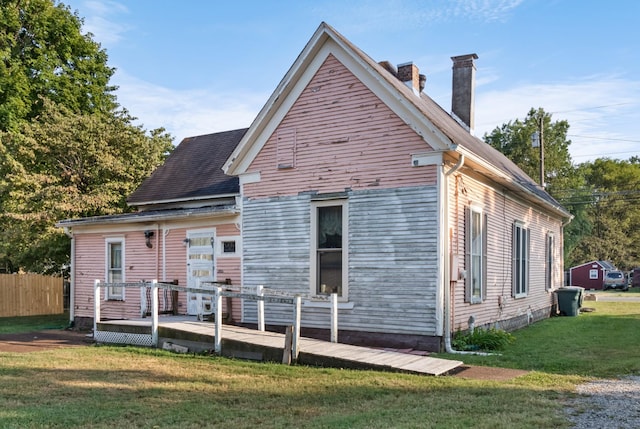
point(30, 295)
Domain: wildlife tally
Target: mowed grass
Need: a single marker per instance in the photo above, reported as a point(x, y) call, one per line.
point(12, 325)
point(602, 343)
point(126, 387)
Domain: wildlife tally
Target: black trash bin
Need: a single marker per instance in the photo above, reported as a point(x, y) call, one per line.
point(570, 300)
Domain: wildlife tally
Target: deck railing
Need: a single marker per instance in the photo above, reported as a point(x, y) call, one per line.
point(217, 291)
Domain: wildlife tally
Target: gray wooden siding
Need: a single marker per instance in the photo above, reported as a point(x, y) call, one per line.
point(392, 259)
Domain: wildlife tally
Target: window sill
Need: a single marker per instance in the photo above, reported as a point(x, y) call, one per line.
point(327, 304)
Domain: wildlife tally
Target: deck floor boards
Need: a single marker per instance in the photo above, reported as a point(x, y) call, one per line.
point(363, 356)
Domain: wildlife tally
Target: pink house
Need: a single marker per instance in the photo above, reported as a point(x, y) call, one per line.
point(350, 180)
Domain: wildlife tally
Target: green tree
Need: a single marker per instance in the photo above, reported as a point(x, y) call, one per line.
point(613, 209)
point(44, 55)
point(514, 139)
point(562, 180)
point(66, 150)
point(68, 165)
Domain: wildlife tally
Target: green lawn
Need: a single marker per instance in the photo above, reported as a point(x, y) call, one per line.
point(127, 387)
point(33, 323)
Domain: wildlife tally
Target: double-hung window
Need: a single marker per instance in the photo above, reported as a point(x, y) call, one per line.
point(329, 248)
point(520, 271)
point(476, 255)
point(550, 258)
point(115, 268)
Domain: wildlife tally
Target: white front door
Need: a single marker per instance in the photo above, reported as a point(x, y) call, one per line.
point(200, 268)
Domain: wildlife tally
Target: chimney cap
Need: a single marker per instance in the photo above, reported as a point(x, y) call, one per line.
point(464, 60)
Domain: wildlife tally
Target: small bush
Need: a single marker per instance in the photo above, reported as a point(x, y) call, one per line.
point(482, 339)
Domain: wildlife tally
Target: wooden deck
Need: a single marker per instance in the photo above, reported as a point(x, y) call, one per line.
point(247, 343)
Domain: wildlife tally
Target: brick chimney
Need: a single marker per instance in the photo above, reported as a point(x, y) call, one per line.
point(463, 92)
point(409, 74)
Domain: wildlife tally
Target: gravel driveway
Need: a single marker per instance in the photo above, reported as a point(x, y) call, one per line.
point(611, 404)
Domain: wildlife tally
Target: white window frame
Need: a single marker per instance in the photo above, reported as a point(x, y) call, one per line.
point(110, 294)
point(313, 255)
point(477, 256)
point(550, 266)
point(521, 255)
point(225, 239)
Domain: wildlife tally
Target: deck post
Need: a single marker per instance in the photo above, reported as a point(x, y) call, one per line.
point(260, 293)
point(154, 313)
point(295, 346)
point(96, 306)
point(218, 321)
point(334, 317)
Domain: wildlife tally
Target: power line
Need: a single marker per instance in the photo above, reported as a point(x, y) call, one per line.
point(603, 138)
point(590, 108)
point(607, 155)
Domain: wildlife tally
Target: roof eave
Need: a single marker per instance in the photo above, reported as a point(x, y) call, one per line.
point(182, 200)
point(509, 181)
point(139, 217)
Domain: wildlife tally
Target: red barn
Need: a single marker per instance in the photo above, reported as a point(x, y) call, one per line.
point(590, 275)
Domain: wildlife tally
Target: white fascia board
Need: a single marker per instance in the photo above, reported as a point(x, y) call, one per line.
point(251, 177)
point(426, 158)
point(296, 80)
point(401, 104)
point(236, 163)
point(270, 117)
point(155, 218)
point(491, 169)
point(182, 200)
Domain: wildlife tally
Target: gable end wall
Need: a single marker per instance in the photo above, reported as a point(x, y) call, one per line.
point(345, 138)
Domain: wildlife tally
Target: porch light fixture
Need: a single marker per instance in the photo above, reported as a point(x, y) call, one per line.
point(147, 235)
point(185, 242)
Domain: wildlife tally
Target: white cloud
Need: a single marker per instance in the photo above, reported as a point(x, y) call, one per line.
point(185, 113)
point(416, 13)
point(100, 20)
point(599, 109)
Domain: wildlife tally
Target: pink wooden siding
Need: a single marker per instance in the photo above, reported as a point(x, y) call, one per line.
point(345, 137)
point(503, 209)
point(142, 263)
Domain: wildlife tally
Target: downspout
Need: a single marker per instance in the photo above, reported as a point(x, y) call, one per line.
point(72, 275)
point(447, 297)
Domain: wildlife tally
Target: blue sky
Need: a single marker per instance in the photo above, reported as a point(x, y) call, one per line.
point(202, 66)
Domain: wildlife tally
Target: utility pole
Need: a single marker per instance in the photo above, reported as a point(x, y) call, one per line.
point(537, 140)
point(542, 153)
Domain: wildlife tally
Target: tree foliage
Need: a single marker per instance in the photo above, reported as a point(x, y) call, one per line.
point(514, 139)
point(601, 195)
point(612, 207)
point(45, 56)
point(67, 165)
point(66, 148)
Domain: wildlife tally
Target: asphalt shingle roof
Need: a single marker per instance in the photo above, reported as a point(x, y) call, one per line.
point(192, 171)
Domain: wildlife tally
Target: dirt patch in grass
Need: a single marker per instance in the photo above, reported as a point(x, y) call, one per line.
point(42, 340)
point(488, 373)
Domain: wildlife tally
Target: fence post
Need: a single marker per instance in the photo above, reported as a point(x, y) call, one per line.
point(96, 306)
point(154, 313)
point(295, 346)
point(260, 293)
point(218, 322)
point(334, 317)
